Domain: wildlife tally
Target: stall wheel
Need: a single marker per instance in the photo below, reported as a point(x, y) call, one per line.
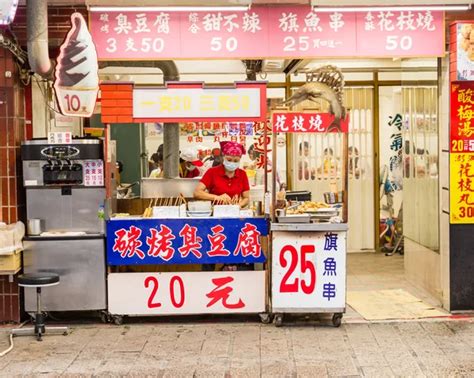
point(337, 320)
point(117, 319)
point(104, 317)
point(265, 318)
point(278, 320)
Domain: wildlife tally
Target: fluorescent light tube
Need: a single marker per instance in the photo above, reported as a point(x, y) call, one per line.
point(172, 9)
point(394, 9)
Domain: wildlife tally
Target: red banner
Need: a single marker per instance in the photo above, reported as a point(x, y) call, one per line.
point(304, 122)
point(462, 116)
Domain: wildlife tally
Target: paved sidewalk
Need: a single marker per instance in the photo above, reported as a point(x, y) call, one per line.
point(248, 349)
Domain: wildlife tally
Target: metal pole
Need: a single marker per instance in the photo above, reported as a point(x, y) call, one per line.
point(171, 150)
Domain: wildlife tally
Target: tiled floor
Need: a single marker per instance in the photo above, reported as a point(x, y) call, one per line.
point(375, 271)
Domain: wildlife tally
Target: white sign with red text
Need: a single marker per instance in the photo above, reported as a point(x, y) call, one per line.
point(185, 293)
point(304, 122)
point(308, 271)
point(197, 103)
point(59, 137)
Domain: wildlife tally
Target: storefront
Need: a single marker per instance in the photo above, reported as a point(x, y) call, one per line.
point(386, 165)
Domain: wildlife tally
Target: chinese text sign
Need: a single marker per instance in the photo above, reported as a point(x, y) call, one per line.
point(186, 293)
point(294, 122)
point(185, 241)
point(271, 32)
point(308, 270)
point(462, 153)
point(198, 103)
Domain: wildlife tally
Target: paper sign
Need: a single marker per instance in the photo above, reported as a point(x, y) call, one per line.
point(93, 172)
point(308, 271)
point(461, 191)
point(299, 122)
point(462, 117)
point(272, 32)
point(63, 137)
point(186, 293)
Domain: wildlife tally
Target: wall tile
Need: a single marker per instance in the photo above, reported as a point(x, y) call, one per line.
point(13, 214)
point(15, 306)
point(5, 216)
point(3, 128)
point(8, 307)
point(5, 188)
point(10, 131)
point(12, 198)
point(2, 306)
point(11, 161)
point(3, 161)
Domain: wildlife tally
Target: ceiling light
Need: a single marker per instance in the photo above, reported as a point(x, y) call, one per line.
point(240, 8)
point(413, 8)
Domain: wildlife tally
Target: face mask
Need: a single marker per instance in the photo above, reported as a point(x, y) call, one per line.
point(231, 166)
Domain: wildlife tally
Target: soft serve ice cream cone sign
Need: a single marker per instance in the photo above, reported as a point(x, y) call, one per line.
point(77, 77)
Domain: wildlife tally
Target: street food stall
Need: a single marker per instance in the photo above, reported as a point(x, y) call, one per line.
point(308, 258)
point(170, 254)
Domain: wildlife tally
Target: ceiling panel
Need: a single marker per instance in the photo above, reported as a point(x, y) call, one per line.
point(335, 3)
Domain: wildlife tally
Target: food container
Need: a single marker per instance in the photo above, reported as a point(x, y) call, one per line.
point(35, 226)
point(226, 211)
point(294, 218)
point(200, 206)
point(169, 211)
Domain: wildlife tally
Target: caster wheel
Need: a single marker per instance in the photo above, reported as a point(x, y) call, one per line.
point(278, 320)
point(337, 320)
point(265, 318)
point(104, 317)
point(118, 320)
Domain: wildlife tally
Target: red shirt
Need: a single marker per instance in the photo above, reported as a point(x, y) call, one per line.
point(218, 183)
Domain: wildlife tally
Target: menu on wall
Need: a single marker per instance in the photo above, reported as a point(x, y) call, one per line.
point(271, 32)
point(462, 152)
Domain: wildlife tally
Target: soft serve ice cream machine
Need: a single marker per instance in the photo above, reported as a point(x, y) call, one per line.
point(64, 192)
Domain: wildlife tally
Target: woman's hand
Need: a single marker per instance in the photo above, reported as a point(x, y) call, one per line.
point(223, 198)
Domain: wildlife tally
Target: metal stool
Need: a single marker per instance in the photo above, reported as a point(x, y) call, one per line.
point(38, 280)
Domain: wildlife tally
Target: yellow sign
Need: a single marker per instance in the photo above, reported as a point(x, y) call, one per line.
point(461, 188)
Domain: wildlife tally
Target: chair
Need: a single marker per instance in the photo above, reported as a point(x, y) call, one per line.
point(38, 280)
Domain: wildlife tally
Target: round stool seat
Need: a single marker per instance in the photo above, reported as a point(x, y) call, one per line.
point(38, 279)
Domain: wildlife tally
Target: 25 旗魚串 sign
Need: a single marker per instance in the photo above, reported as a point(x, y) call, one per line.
point(186, 293)
point(272, 32)
point(308, 271)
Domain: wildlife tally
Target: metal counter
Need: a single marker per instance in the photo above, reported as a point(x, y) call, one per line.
point(317, 227)
point(80, 263)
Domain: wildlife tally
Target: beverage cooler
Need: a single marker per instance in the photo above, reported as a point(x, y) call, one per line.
point(65, 195)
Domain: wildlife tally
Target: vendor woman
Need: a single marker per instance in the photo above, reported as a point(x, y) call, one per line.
point(226, 182)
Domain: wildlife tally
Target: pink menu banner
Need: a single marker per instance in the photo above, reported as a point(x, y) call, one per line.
point(266, 32)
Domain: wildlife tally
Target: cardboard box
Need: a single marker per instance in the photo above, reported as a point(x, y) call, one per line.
point(10, 264)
